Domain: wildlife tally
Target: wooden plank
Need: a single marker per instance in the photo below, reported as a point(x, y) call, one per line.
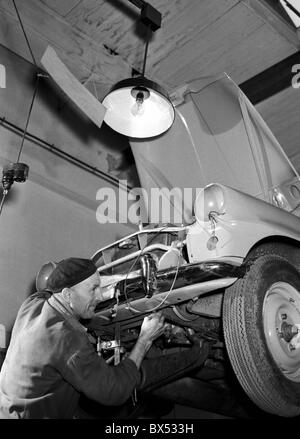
point(205, 46)
point(260, 50)
point(61, 7)
point(281, 113)
point(240, 43)
point(113, 24)
point(11, 36)
point(184, 24)
point(81, 55)
point(181, 21)
point(72, 87)
point(95, 17)
point(275, 20)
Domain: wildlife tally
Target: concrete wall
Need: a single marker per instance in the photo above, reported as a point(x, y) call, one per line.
point(53, 214)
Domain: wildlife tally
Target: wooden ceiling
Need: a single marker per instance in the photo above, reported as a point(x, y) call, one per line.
point(102, 41)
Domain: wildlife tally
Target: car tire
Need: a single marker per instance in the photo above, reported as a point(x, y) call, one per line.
point(260, 314)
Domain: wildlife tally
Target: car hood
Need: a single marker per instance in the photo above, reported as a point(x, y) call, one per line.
point(217, 137)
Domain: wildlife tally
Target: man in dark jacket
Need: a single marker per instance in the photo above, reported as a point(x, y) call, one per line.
point(51, 361)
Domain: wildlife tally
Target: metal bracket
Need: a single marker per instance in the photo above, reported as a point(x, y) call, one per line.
point(111, 344)
point(150, 16)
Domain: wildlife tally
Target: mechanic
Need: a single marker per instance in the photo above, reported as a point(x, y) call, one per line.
point(50, 360)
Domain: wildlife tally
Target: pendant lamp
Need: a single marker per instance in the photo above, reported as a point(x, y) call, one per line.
point(137, 107)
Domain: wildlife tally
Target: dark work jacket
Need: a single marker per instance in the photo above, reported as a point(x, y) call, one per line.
point(50, 361)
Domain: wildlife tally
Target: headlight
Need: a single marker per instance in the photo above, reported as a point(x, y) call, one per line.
point(211, 200)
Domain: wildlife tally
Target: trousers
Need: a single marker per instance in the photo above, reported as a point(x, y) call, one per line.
point(158, 371)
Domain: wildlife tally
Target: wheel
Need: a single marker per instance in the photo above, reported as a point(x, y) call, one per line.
point(261, 323)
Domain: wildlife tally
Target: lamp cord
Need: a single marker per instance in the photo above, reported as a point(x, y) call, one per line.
point(148, 35)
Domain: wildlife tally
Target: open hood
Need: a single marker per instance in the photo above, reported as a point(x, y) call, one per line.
point(217, 137)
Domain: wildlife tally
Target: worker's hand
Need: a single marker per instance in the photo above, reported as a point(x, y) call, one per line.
point(152, 326)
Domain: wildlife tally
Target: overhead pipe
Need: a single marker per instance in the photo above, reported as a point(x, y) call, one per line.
point(64, 155)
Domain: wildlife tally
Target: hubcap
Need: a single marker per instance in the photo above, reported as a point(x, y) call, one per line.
point(281, 321)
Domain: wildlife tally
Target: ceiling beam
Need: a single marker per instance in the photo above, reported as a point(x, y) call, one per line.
point(271, 81)
point(268, 12)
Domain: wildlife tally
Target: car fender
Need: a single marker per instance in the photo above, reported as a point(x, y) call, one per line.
point(241, 222)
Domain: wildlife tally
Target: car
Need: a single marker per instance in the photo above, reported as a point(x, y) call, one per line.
point(227, 267)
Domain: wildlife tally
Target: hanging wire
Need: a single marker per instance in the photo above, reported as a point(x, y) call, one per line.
point(28, 116)
point(5, 191)
point(2, 200)
point(36, 84)
point(27, 41)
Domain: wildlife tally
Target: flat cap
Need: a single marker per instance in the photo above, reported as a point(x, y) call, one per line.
point(69, 272)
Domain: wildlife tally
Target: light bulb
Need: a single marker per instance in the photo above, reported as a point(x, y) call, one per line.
point(138, 108)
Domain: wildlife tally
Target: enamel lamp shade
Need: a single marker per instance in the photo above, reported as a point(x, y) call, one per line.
point(138, 107)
